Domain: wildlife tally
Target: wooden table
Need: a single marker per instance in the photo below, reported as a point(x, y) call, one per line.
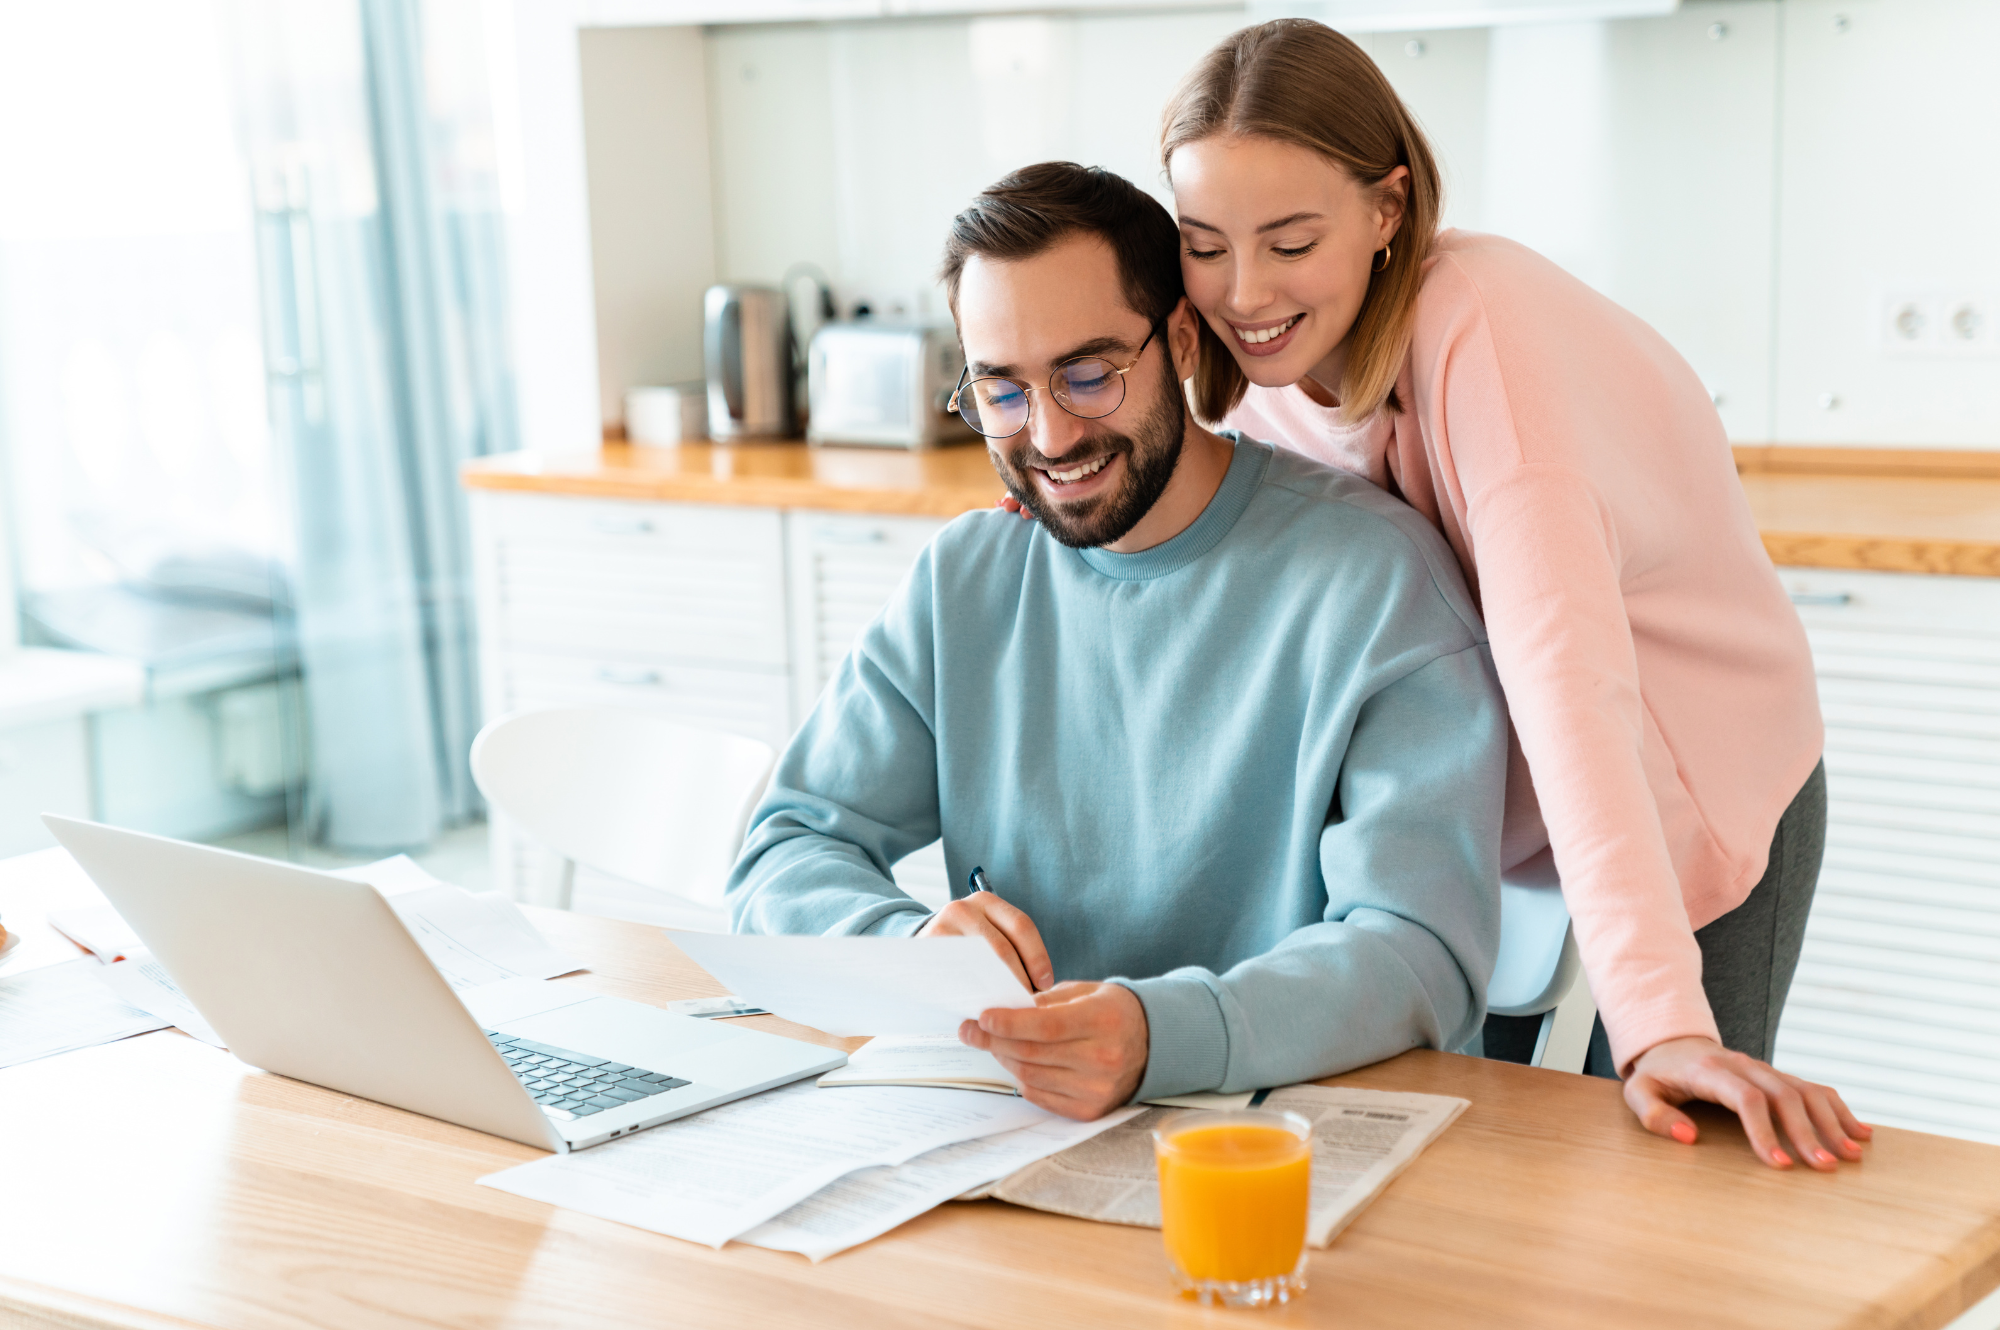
point(159, 1183)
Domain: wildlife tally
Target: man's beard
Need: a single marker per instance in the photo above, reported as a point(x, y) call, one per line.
point(1151, 452)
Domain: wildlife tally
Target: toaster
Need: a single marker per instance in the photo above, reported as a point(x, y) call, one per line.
point(884, 384)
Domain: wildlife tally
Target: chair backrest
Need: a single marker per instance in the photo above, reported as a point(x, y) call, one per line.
point(1538, 958)
point(629, 793)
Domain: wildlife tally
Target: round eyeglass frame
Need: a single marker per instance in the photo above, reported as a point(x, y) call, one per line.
point(1026, 388)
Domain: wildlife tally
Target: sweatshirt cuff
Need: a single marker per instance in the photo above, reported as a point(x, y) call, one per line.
point(1631, 1037)
point(1187, 1039)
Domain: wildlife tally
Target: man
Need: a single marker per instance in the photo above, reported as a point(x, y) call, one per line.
point(1221, 725)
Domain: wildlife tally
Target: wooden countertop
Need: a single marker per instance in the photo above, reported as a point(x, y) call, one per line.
point(1889, 510)
point(942, 483)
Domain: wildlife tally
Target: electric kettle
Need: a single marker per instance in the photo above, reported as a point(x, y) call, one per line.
point(747, 344)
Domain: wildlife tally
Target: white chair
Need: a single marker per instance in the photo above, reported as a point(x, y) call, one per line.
point(624, 792)
point(1538, 973)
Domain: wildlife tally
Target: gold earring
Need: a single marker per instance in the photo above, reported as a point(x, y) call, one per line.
point(1385, 259)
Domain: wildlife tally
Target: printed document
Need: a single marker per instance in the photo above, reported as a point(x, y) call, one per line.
point(870, 1202)
point(860, 985)
point(99, 930)
point(62, 1007)
point(1361, 1140)
point(709, 1177)
point(478, 939)
point(473, 938)
point(141, 980)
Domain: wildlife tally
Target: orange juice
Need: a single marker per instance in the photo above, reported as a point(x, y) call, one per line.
point(1233, 1196)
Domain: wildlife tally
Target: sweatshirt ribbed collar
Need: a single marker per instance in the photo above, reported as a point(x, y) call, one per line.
point(1239, 485)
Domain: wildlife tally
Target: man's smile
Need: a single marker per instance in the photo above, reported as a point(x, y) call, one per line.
point(1077, 480)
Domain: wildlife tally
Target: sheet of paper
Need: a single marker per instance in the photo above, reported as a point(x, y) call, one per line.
point(392, 876)
point(892, 1059)
point(479, 939)
point(709, 1177)
point(143, 982)
point(860, 985)
point(1361, 1140)
point(870, 1202)
point(99, 930)
point(514, 999)
point(62, 1007)
point(1211, 1100)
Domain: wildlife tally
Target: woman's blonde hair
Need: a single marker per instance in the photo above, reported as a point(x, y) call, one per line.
point(1301, 82)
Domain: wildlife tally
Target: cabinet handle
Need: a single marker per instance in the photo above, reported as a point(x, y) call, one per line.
point(1825, 598)
point(628, 676)
point(837, 535)
point(622, 526)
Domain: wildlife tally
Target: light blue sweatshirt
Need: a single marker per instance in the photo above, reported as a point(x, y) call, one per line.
point(1254, 773)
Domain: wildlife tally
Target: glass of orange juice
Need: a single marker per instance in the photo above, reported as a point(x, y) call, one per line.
point(1233, 1195)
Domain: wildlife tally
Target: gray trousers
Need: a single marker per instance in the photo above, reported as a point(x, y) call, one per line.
point(1748, 956)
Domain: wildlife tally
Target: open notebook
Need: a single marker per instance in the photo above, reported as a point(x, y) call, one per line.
point(941, 1062)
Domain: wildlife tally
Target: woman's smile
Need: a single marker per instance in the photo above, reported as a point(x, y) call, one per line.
point(1267, 338)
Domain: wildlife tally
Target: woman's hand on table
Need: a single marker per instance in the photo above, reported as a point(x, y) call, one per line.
point(1819, 1124)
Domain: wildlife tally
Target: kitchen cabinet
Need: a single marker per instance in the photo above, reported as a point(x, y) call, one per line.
point(722, 616)
point(1897, 997)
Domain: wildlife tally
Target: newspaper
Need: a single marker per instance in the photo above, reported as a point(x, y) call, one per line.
point(1361, 1140)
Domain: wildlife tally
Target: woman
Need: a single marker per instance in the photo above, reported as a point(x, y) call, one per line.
point(1659, 682)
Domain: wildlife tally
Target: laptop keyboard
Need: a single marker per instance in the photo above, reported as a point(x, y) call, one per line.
point(567, 1084)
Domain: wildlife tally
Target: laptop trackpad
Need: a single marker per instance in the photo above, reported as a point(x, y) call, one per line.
point(632, 1033)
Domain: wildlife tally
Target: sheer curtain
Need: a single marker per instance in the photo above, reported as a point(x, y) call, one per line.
point(368, 131)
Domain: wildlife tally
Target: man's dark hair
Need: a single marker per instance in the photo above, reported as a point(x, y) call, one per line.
point(1028, 211)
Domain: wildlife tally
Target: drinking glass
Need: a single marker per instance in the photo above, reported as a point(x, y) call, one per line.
point(1234, 1189)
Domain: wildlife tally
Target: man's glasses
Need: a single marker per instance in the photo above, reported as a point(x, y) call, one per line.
point(1087, 387)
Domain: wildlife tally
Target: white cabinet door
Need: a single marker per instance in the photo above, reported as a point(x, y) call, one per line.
point(842, 569)
point(587, 602)
point(603, 578)
point(1897, 999)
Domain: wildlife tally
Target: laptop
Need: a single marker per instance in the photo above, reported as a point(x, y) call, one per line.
point(314, 977)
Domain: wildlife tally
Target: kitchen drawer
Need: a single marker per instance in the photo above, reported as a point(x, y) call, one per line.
point(1840, 598)
point(743, 700)
point(843, 569)
point(1897, 997)
point(634, 579)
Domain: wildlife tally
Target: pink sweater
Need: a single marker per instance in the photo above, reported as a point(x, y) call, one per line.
point(1659, 681)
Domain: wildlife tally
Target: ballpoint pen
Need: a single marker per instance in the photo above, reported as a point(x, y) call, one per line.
point(977, 881)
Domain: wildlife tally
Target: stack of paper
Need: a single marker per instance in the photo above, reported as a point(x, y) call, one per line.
point(870, 1202)
point(62, 1007)
point(718, 1174)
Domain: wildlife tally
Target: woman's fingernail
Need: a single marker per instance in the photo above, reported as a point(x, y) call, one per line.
point(1852, 1145)
point(1823, 1157)
point(1684, 1133)
point(1781, 1159)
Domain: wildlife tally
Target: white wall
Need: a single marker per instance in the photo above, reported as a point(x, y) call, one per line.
point(1757, 180)
point(652, 245)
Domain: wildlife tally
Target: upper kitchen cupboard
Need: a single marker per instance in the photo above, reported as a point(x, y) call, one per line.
point(1732, 172)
